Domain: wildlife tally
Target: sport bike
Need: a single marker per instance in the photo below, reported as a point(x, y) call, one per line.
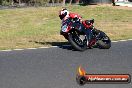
point(70, 29)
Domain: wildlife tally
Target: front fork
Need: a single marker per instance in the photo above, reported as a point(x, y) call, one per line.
point(92, 38)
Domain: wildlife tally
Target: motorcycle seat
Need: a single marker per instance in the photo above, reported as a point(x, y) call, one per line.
point(89, 22)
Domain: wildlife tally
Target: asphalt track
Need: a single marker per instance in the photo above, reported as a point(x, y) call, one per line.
point(57, 67)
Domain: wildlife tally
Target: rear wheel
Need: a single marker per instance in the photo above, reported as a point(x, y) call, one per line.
point(79, 42)
point(104, 41)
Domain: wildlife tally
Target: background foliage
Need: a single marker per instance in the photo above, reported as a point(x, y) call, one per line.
point(36, 2)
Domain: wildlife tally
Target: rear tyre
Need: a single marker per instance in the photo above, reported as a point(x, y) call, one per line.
point(104, 41)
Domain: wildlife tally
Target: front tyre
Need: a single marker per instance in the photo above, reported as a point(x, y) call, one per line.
point(76, 42)
point(104, 41)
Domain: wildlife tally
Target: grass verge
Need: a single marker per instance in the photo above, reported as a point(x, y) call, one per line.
point(36, 27)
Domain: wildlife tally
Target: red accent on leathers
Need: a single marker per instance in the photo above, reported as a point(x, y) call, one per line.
point(74, 15)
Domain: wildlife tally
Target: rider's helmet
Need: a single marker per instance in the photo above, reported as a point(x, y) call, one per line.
point(63, 13)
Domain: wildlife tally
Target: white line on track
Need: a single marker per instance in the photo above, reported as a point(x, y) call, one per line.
point(50, 47)
point(123, 40)
point(54, 46)
point(6, 50)
point(129, 39)
point(115, 41)
point(43, 47)
point(31, 48)
point(18, 49)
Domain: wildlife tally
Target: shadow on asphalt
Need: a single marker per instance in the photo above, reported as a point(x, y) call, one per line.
point(63, 45)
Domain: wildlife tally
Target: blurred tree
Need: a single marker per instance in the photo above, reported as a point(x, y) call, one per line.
point(0, 2)
point(19, 2)
point(77, 1)
point(37, 2)
point(63, 2)
point(70, 2)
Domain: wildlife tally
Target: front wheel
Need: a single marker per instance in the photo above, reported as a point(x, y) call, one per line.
point(79, 42)
point(104, 41)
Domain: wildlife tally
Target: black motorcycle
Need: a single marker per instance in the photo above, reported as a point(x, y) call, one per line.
point(78, 39)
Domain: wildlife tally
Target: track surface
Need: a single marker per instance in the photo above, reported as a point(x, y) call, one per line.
point(57, 67)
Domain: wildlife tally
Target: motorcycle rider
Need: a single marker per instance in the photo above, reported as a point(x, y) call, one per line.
point(64, 14)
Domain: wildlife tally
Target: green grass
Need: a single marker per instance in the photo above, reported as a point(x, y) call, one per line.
point(36, 27)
